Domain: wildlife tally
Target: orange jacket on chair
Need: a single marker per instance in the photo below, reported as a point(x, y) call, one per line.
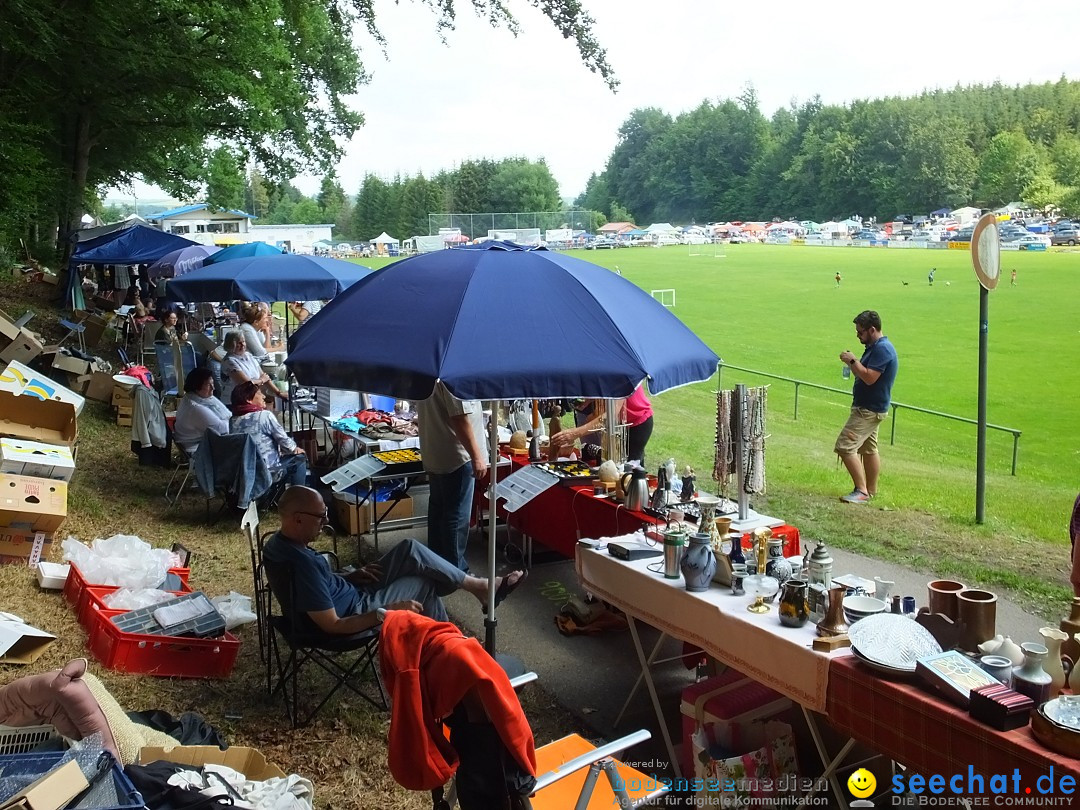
point(427, 667)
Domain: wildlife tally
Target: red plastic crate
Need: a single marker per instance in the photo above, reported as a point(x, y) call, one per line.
point(75, 582)
point(92, 599)
point(173, 657)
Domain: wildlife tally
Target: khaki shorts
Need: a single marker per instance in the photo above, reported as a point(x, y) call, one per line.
point(860, 433)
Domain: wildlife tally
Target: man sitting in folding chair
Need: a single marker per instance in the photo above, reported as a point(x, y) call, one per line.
point(409, 577)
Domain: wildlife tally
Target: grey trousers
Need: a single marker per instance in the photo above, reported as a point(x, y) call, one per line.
point(411, 570)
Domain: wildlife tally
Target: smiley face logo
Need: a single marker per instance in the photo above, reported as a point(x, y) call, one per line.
point(861, 783)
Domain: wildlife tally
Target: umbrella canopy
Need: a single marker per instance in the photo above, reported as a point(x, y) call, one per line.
point(242, 251)
point(498, 321)
point(280, 277)
point(181, 261)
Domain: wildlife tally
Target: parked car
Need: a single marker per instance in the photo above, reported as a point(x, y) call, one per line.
point(1027, 241)
point(868, 234)
point(740, 238)
point(1065, 236)
point(601, 242)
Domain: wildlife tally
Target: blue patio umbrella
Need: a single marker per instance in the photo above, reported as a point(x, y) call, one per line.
point(280, 277)
point(181, 261)
point(497, 321)
point(243, 251)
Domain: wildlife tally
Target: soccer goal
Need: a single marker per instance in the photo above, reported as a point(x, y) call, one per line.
point(713, 250)
point(665, 297)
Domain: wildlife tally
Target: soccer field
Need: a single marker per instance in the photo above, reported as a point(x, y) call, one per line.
point(777, 309)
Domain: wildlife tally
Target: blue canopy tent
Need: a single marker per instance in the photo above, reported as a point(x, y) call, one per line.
point(277, 277)
point(138, 244)
point(243, 251)
point(941, 212)
point(497, 321)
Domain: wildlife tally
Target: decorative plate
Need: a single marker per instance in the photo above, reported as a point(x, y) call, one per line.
point(892, 672)
point(1063, 711)
point(892, 640)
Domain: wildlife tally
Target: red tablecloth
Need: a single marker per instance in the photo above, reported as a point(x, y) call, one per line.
point(913, 726)
point(562, 515)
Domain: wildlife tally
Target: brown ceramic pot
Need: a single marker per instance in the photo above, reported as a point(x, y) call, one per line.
point(942, 594)
point(977, 615)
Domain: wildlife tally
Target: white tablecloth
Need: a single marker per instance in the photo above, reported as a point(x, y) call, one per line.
point(755, 644)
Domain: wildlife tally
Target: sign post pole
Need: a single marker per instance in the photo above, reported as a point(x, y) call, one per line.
point(986, 259)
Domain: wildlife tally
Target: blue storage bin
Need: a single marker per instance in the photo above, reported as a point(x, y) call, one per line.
point(38, 764)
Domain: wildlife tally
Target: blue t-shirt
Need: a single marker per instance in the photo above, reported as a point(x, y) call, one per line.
point(879, 356)
point(316, 587)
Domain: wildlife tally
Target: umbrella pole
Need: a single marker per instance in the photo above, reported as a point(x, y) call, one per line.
point(491, 622)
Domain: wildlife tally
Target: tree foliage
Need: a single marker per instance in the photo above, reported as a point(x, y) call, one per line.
point(152, 87)
point(724, 160)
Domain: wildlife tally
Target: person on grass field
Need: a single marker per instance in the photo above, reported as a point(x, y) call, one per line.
point(871, 393)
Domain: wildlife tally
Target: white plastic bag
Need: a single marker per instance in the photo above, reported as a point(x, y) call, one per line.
point(236, 608)
point(129, 599)
point(123, 560)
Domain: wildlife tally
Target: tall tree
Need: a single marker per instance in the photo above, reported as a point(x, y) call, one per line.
point(521, 185)
point(143, 90)
point(1009, 163)
point(331, 198)
point(224, 181)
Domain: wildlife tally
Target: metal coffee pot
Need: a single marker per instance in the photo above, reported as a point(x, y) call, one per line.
point(636, 489)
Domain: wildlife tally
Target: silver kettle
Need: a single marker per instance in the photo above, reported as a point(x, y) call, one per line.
point(637, 490)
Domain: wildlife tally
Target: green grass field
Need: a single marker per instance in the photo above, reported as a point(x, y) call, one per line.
point(776, 309)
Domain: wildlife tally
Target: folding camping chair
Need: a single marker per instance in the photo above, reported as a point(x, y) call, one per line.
point(351, 661)
point(231, 468)
point(183, 465)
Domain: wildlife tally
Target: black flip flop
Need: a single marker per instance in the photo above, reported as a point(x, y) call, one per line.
point(506, 587)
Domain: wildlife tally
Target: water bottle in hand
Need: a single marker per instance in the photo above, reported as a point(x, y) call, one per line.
point(847, 371)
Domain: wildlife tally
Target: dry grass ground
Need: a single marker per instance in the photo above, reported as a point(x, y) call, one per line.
point(343, 752)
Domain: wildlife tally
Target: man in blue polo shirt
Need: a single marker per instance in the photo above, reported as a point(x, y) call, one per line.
point(408, 577)
point(874, 374)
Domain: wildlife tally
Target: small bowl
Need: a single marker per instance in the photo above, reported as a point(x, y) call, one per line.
point(859, 607)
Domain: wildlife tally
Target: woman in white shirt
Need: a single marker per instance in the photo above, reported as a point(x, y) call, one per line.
point(255, 329)
point(240, 366)
point(199, 411)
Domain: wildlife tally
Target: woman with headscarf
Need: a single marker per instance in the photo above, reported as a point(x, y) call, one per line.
point(285, 461)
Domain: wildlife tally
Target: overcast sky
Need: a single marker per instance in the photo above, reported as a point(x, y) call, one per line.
point(430, 106)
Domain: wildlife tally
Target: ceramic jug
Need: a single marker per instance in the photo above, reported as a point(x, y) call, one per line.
point(1052, 640)
point(1030, 678)
point(698, 562)
point(793, 610)
point(1071, 627)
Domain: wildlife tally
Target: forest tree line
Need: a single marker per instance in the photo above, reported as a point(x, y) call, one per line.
point(724, 160)
point(981, 145)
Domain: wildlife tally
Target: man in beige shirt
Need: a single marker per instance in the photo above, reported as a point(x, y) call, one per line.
point(452, 447)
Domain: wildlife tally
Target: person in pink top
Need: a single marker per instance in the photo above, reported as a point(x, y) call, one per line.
point(639, 416)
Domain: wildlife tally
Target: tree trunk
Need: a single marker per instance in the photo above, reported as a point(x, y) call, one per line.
point(74, 194)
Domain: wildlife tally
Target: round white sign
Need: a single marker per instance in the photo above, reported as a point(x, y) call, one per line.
point(986, 251)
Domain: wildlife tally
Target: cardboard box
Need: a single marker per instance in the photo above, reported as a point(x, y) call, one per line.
point(23, 457)
point(23, 547)
point(8, 330)
point(72, 365)
point(52, 791)
point(21, 643)
point(307, 441)
point(98, 386)
point(32, 504)
point(248, 761)
point(20, 379)
point(95, 327)
point(24, 347)
point(121, 394)
point(346, 511)
point(124, 420)
point(46, 421)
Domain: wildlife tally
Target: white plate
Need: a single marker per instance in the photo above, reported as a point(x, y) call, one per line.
point(892, 640)
point(126, 379)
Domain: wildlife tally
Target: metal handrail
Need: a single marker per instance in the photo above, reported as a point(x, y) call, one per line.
point(896, 406)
